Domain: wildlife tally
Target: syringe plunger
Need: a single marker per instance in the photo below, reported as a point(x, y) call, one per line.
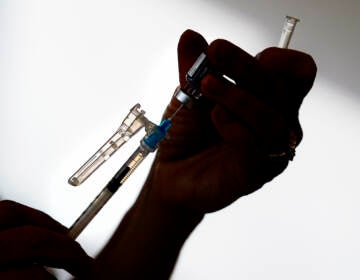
point(287, 31)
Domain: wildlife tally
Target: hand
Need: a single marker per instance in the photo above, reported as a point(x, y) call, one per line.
point(30, 239)
point(219, 150)
point(216, 152)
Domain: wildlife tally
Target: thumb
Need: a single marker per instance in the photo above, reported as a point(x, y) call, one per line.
point(189, 126)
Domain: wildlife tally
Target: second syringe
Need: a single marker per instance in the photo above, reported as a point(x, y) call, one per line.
point(132, 123)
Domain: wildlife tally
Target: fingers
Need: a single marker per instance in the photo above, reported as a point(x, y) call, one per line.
point(242, 114)
point(266, 99)
point(23, 246)
point(192, 131)
point(230, 128)
point(28, 236)
point(13, 214)
point(282, 77)
point(297, 69)
point(237, 64)
point(287, 62)
point(273, 84)
point(33, 272)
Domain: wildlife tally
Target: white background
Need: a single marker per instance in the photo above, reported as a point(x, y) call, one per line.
point(71, 70)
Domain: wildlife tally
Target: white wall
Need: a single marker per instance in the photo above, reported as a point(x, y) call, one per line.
point(70, 70)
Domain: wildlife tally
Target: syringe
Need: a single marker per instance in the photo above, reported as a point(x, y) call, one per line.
point(147, 145)
point(132, 123)
point(187, 96)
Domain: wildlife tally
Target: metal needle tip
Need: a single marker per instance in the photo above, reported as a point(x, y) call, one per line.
point(175, 113)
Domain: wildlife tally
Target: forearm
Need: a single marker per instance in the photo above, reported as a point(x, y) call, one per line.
point(148, 240)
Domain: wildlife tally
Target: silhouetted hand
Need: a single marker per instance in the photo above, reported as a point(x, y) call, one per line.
point(222, 149)
point(30, 239)
point(219, 150)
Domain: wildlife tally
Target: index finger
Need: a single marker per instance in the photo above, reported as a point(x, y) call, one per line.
point(13, 214)
point(238, 65)
point(25, 245)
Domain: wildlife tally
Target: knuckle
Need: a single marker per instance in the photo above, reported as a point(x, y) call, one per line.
point(221, 50)
point(9, 209)
point(218, 43)
point(8, 204)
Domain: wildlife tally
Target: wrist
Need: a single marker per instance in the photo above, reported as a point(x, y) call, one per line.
point(171, 217)
point(148, 241)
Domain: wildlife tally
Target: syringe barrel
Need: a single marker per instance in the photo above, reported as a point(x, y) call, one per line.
point(89, 213)
point(128, 168)
point(119, 178)
point(147, 145)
